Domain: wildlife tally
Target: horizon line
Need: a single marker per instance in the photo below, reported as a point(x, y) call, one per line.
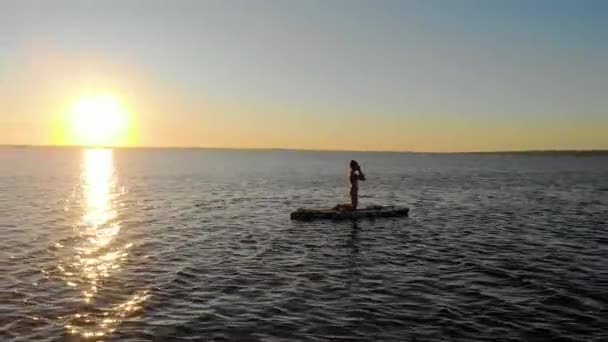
point(530, 151)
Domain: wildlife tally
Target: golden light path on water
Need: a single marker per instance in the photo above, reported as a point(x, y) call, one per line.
point(96, 255)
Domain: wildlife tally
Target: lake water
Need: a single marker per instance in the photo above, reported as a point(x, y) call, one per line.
point(168, 245)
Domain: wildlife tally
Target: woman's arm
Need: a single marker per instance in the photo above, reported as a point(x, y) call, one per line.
point(361, 175)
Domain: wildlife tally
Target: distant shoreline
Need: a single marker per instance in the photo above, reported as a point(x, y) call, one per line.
point(516, 152)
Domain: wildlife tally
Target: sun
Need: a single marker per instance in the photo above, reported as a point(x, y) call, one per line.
point(98, 120)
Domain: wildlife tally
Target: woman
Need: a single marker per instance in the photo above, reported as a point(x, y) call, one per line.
point(354, 177)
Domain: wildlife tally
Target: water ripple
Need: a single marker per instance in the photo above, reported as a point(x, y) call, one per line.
point(186, 245)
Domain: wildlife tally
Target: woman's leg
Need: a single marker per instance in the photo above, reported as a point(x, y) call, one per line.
point(354, 198)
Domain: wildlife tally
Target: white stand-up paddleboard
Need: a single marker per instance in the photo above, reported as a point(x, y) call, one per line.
point(334, 214)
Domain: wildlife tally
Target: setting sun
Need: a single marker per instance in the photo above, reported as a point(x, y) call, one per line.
point(97, 120)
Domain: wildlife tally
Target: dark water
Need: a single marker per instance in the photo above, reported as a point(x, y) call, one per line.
point(167, 245)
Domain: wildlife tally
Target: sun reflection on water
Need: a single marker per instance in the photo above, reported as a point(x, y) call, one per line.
point(99, 224)
point(97, 251)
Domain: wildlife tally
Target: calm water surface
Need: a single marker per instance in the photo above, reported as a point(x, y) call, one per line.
point(167, 245)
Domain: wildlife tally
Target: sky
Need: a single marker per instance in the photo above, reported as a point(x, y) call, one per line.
point(436, 76)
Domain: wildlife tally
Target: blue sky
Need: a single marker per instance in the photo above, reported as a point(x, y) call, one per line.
point(456, 69)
